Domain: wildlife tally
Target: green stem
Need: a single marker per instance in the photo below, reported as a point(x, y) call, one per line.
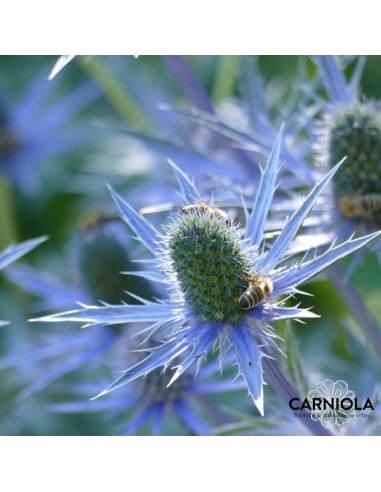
point(224, 84)
point(8, 227)
point(116, 93)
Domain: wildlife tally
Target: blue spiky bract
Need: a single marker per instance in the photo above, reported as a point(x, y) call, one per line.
point(15, 251)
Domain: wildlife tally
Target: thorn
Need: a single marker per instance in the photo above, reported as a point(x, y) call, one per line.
point(102, 393)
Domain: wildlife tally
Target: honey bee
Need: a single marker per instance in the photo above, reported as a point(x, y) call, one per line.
point(95, 219)
point(259, 290)
point(357, 205)
point(205, 208)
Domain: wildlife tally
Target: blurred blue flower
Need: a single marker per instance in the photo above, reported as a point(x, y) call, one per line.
point(202, 257)
point(172, 136)
point(32, 131)
point(248, 125)
point(149, 399)
point(351, 126)
point(348, 126)
point(221, 147)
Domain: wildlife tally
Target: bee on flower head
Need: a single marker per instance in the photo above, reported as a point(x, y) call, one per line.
point(259, 290)
point(360, 205)
point(204, 208)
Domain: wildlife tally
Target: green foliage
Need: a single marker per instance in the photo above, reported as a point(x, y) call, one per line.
point(250, 424)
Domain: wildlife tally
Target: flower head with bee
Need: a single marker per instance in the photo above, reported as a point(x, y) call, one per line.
point(208, 265)
point(350, 125)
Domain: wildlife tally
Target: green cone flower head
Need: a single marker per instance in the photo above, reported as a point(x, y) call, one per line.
point(355, 131)
point(102, 259)
point(207, 258)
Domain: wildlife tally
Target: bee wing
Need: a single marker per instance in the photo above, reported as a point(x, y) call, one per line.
point(255, 276)
point(200, 201)
point(160, 207)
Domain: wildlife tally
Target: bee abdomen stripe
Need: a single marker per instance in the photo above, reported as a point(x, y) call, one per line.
point(368, 203)
point(252, 297)
point(376, 202)
point(246, 301)
point(371, 203)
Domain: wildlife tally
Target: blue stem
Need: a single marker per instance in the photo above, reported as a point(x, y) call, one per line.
point(189, 82)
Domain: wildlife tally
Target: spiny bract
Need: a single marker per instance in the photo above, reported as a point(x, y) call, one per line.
point(208, 259)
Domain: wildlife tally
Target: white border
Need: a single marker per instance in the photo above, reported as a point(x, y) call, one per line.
point(197, 27)
point(188, 464)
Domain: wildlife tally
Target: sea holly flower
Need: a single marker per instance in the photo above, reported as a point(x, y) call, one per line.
point(102, 247)
point(14, 251)
point(210, 271)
